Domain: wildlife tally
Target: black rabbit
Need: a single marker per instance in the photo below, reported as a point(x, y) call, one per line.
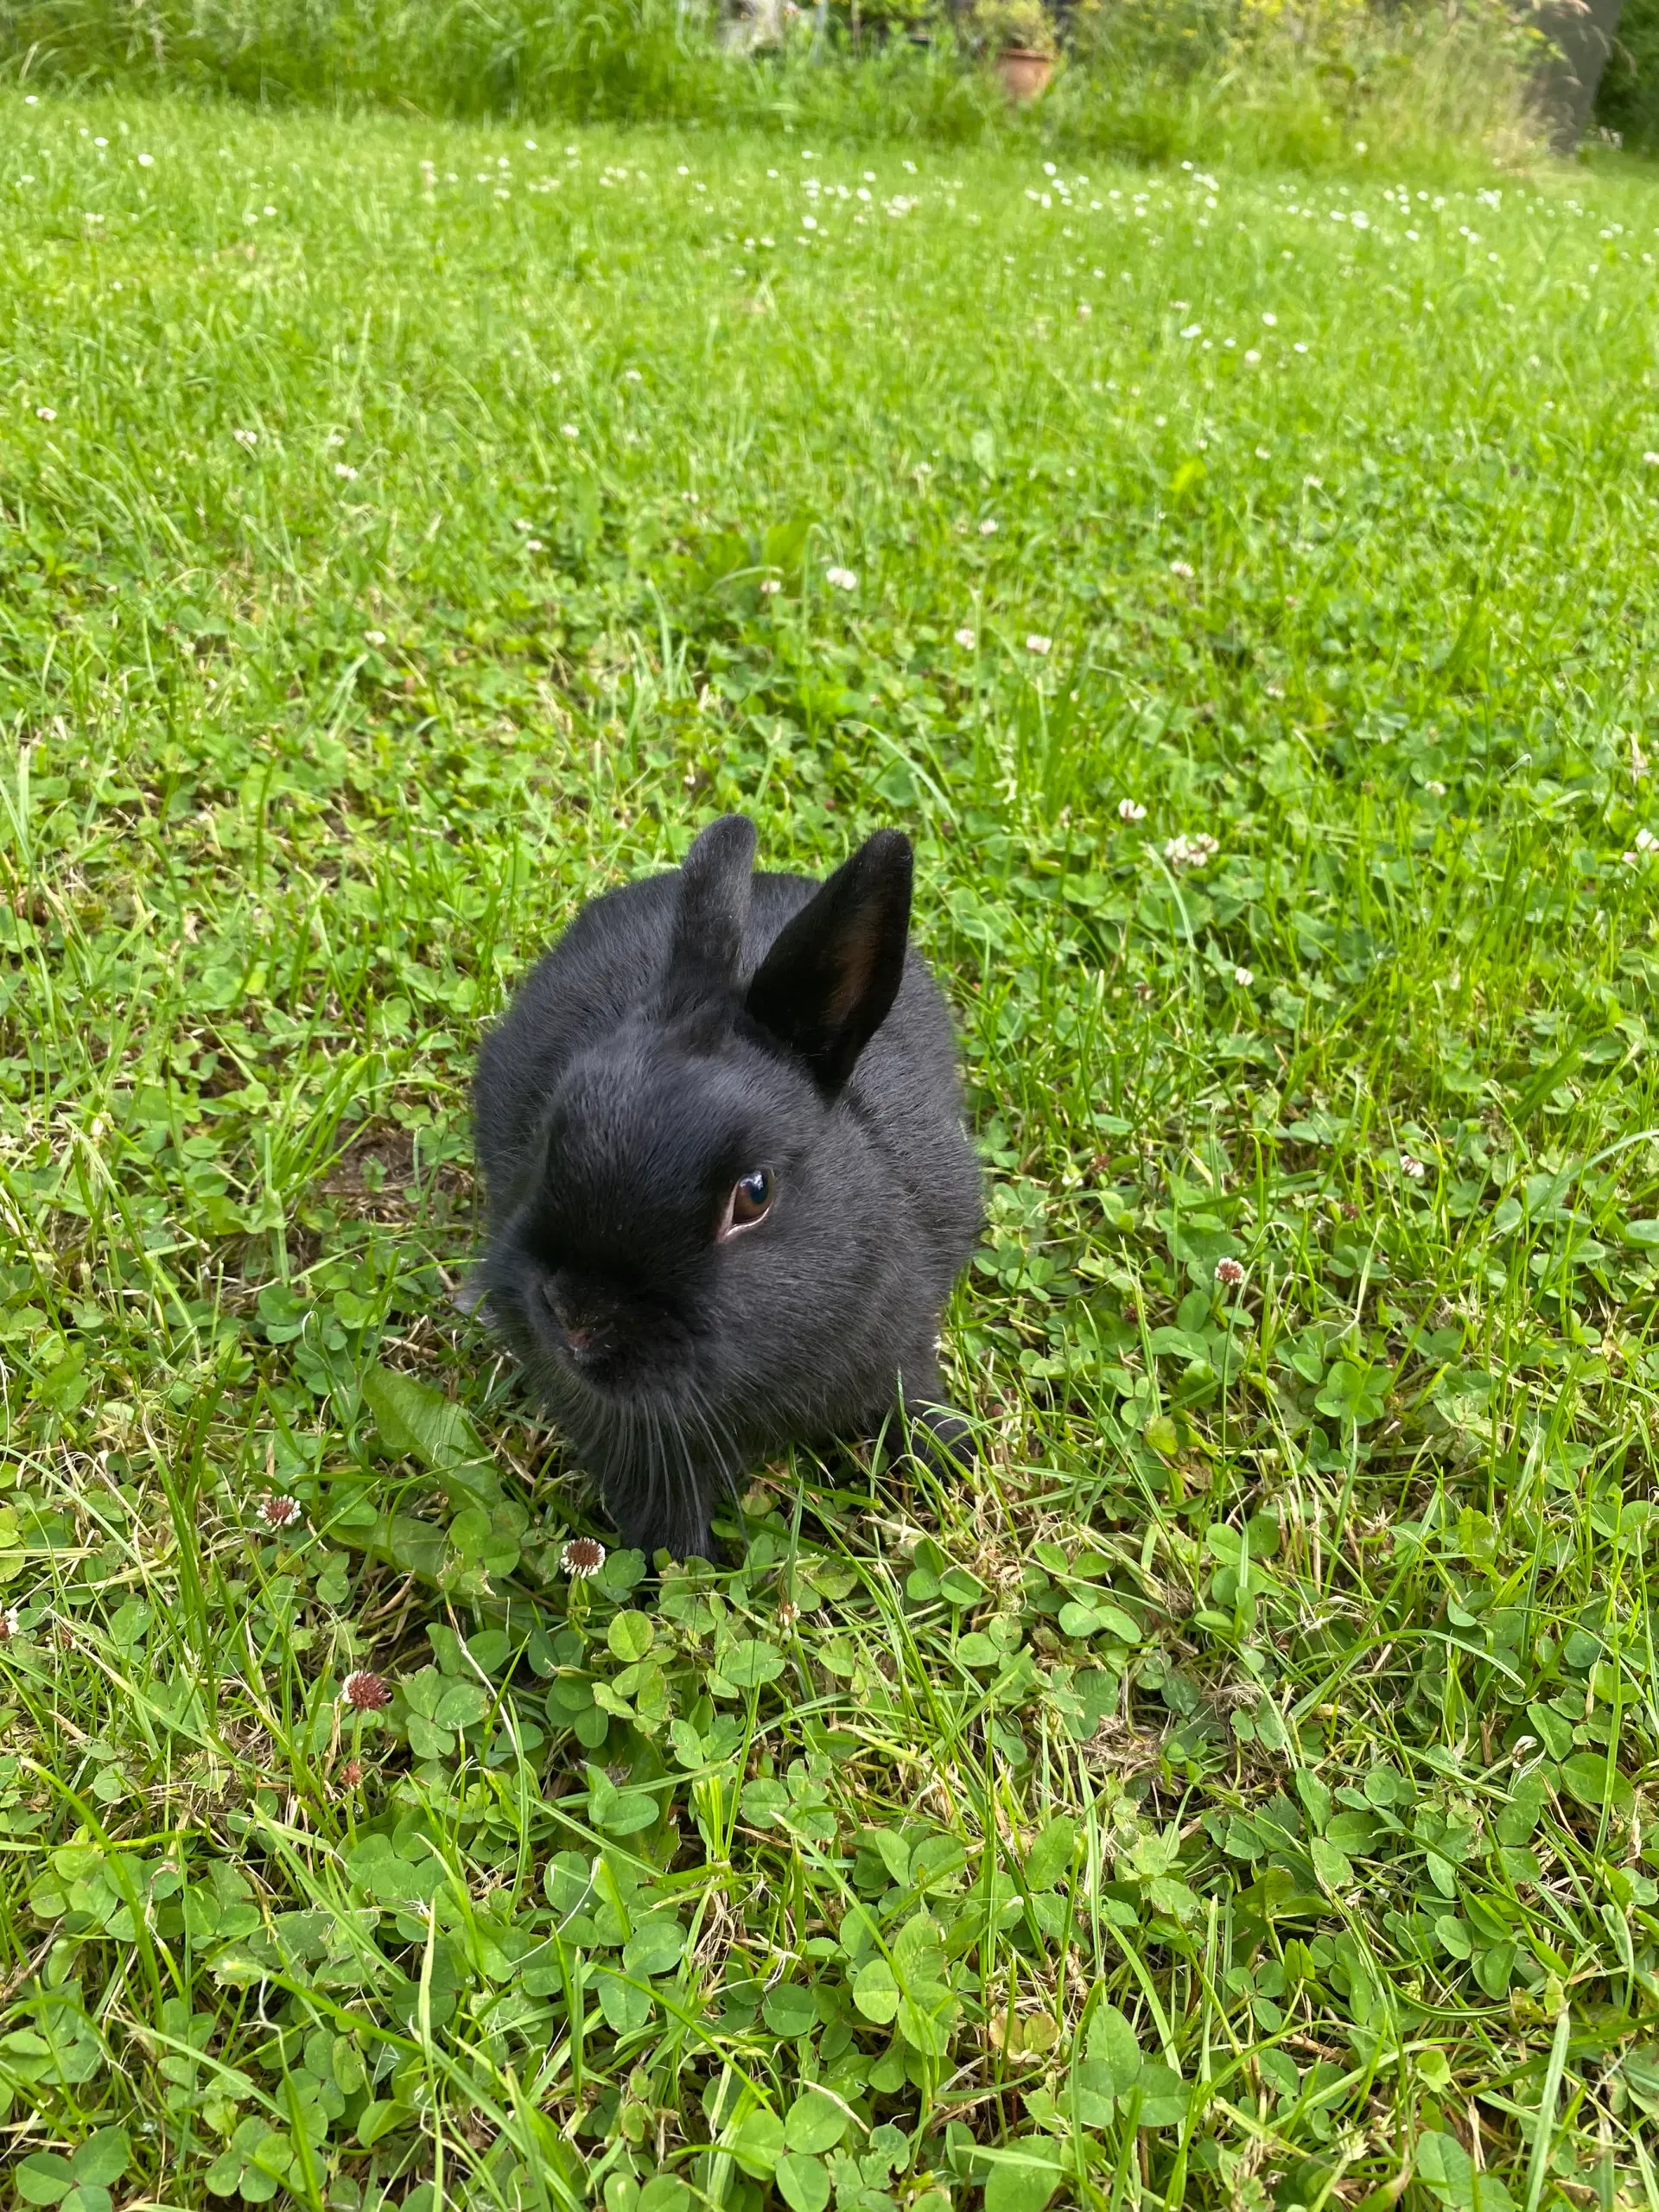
point(729, 1188)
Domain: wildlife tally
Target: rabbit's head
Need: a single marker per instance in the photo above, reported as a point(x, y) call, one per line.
point(681, 1207)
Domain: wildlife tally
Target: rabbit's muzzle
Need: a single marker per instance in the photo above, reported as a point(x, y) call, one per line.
point(610, 1341)
point(586, 1331)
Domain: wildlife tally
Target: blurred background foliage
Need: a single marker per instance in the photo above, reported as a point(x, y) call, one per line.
point(1268, 81)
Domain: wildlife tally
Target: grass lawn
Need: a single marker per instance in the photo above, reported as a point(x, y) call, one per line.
point(1242, 1793)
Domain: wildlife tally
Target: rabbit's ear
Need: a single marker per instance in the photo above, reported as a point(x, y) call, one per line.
point(832, 974)
point(715, 879)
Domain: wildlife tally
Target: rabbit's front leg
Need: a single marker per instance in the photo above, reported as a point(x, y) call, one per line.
point(939, 1437)
point(656, 1508)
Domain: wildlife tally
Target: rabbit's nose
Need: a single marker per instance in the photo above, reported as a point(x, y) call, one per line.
point(586, 1329)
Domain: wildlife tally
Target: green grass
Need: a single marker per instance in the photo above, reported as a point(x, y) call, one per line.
point(1241, 1793)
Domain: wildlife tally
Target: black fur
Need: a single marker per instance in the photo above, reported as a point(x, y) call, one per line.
point(684, 1032)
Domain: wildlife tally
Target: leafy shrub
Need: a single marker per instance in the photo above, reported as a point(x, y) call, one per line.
point(1269, 80)
point(1627, 99)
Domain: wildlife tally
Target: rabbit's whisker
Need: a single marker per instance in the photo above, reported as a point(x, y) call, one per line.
point(720, 1445)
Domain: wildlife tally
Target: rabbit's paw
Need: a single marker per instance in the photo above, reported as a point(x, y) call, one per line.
point(941, 1439)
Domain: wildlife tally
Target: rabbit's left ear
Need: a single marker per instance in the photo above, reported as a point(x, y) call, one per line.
point(832, 974)
point(715, 879)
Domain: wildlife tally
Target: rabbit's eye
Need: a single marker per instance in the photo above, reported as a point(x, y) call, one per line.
point(750, 1201)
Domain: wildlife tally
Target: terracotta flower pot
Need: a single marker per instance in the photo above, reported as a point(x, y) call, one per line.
point(1025, 72)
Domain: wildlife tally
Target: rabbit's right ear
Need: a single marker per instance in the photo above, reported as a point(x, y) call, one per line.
point(715, 879)
point(833, 973)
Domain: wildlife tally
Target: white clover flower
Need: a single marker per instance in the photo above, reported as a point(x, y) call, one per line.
point(582, 1557)
point(1244, 978)
point(770, 584)
point(1436, 787)
point(374, 637)
point(1271, 321)
point(146, 160)
point(1412, 1169)
point(1645, 840)
point(1275, 690)
point(46, 414)
point(1180, 568)
point(1196, 851)
point(965, 638)
point(346, 473)
point(988, 528)
point(1036, 643)
point(1651, 459)
point(632, 376)
point(1229, 1272)
point(1193, 330)
point(1298, 348)
point(1251, 355)
point(1129, 810)
point(569, 430)
point(843, 579)
point(245, 437)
